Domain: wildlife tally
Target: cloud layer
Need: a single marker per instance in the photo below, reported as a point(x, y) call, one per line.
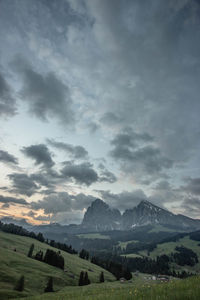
point(6, 157)
point(7, 101)
point(101, 95)
point(40, 153)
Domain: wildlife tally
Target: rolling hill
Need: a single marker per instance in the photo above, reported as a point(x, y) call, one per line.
point(13, 264)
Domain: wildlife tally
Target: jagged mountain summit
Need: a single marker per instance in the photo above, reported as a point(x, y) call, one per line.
point(100, 217)
point(146, 213)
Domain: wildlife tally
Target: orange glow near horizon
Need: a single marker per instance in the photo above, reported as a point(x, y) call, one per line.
point(20, 212)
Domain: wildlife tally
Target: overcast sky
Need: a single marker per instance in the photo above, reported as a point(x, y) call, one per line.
point(98, 98)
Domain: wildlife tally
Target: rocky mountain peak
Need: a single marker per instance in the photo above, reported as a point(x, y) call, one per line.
point(146, 205)
point(98, 203)
point(99, 217)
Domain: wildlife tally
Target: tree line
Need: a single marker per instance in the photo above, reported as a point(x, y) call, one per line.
point(19, 230)
point(51, 257)
point(117, 269)
point(159, 265)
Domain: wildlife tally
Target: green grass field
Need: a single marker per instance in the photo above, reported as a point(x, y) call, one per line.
point(124, 244)
point(187, 289)
point(13, 264)
point(167, 248)
point(93, 236)
point(158, 228)
point(131, 255)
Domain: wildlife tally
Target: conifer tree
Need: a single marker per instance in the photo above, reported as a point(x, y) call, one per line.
point(40, 237)
point(20, 284)
point(39, 255)
point(86, 279)
point(49, 287)
point(81, 279)
point(101, 278)
point(30, 253)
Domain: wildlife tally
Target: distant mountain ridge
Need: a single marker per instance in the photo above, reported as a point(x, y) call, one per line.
point(146, 213)
point(101, 217)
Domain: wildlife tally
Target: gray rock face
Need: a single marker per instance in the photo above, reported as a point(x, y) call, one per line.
point(100, 217)
point(147, 213)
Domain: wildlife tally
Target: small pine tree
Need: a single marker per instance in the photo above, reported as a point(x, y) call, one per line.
point(20, 284)
point(127, 274)
point(101, 278)
point(81, 279)
point(86, 279)
point(40, 237)
point(30, 253)
point(49, 287)
point(39, 256)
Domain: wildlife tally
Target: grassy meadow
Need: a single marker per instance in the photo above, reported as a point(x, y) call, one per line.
point(14, 264)
point(187, 289)
point(93, 236)
point(124, 244)
point(167, 248)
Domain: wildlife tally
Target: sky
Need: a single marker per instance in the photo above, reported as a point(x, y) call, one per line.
point(98, 99)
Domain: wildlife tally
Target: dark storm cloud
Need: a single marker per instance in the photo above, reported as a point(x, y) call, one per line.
point(191, 206)
point(63, 202)
point(129, 63)
point(23, 184)
point(5, 157)
point(30, 184)
point(48, 178)
point(163, 185)
point(82, 173)
point(135, 153)
point(106, 175)
point(12, 200)
point(7, 101)
point(76, 152)
point(43, 179)
point(123, 200)
point(40, 153)
point(155, 84)
point(192, 186)
point(48, 191)
point(46, 95)
point(129, 138)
